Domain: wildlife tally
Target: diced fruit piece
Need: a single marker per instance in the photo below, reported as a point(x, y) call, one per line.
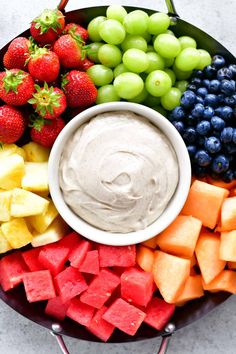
point(70, 283)
point(151, 243)
point(31, 259)
point(228, 246)
point(117, 256)
point(100, 289)
point(99, 327)
point(25, 203)
point(124, 316)
point(53, 257)
point(39, 286)
point(17, 233)
point(145, 258)
point(42, 221)
point(192, 290)
point(12, 268)
point(5, 205)
point(56, 308)
point(204, 202)
point(54, 233)
point(208, 255)
point(137, 286)
point(180, 237)
point(91, 263)
point(4, 244)
point(78, 254)
point(70, 240)
point(232, 265)
point(36, 177)
point(35, 152)
point(225, 281)
point(170, 274)
point(228, 214)
point(11, 149)
point(12, 169)
point(80, 312)
point(158, 313)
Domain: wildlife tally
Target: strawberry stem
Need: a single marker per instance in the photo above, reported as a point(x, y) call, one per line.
point(12, 80)
point(48, 19)
point(37, 122)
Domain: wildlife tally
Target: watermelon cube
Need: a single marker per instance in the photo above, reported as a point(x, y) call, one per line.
point(124, 316)
point(100, 289)
point(80, 312)
point(39, 286)
point(70, 283)
point(78, 254)
point(12, 269)
point(31, 259)
point(70, 240)
point(99, 327)
point(56, 308)
point(91, 263)
point(53, 257)
point(158, 313)
point(117, 256)
point(137, 286)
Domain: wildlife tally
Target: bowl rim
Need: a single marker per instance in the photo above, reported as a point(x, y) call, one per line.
point(175, 204)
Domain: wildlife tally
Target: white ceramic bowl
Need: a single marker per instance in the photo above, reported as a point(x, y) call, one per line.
point(174, 206)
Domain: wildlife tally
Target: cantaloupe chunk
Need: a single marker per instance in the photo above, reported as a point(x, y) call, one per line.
point(231, 265)
point(180, 237)
point(222, 184)
point(204, 202)
point(228, 246)
point(225, 281)
point(228, 214)
point(145, 258)
point(208, 255)
point(193, 289)
point(170, 274)
point(151, 243)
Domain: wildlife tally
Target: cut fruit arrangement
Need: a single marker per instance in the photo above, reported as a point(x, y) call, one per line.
point(58, 72)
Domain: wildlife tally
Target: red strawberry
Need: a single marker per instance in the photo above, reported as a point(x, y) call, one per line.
point(17, 53)
point(45, 132)
point(73, 28)
point(85, 64)
point(44, 65)
point(48, 102)
point(79, 89)
point(16, 87)
point(12, 124)
point(48, 26)
point(69, 50)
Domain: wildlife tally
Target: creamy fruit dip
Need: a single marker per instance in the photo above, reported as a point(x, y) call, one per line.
point(118, 172)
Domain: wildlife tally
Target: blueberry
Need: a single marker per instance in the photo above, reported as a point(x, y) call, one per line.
point(218, 61)
point(179, 126)
point(227, 87)
point(226, 135)
point(192, 87)
point(199, 99)
point(203, 127)
point(212, 144)
point(211, 100)
point(191, 120)
point(199, 73)
point(191, 150)
point(218, 111)
point(224, 73)
point(206, 83)
point(226, 113)
point(200, 171)
point(196, 81)
point(214, 86)
point(208, 112)
point(202, 91)
point(230, 100)
point(198, 110)
point(190, 135)
point(210, 71)
point(217, 123)
point(188, 99)
point(178, 113)
point(228, 176)
point(234, 136)
point(202, 158)
point(232, 67)
point(220, 164)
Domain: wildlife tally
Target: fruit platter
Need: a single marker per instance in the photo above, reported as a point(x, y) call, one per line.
point(64, 66)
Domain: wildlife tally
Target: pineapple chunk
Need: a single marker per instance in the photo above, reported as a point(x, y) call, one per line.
point(35, 152)
point(10, 149)
point(41, 222)
point(4, 244)
point(5, 205)
point(54, 233)
point(12, 169)
point(36, 177)
point(25, 203)
point(16, 233)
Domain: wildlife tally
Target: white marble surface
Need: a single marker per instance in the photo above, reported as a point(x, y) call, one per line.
point(215, 334)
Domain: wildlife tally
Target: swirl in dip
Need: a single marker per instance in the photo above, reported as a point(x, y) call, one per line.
point(118, 172)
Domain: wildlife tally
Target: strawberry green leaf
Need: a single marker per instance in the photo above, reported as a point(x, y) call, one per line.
point(11, 81)
point(48, 19)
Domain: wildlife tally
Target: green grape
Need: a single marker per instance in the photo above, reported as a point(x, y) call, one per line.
point(158, 83)
point(180, 74)
point(93, 28)
point(136, 22)
point(188, 59)
point(171, 75)
point(100, 74)
point(150, 48)
point(128, 85)
point(112, 31)
point(135, 60)
point(92, 51)
point(187, 42)
point(116, 12)
point(141, 97)
point(169, 62)
point(167, 45)
point(158, 23)
point(205, 59)
point(182, 85)
point(147, 36)
point(151, 101)
point(155, 62)
point(169, 32)
point(120, 69)
point(171, 99)
point(107, 93)
point(109, 55)
point(132, 41)
point(160, 110)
